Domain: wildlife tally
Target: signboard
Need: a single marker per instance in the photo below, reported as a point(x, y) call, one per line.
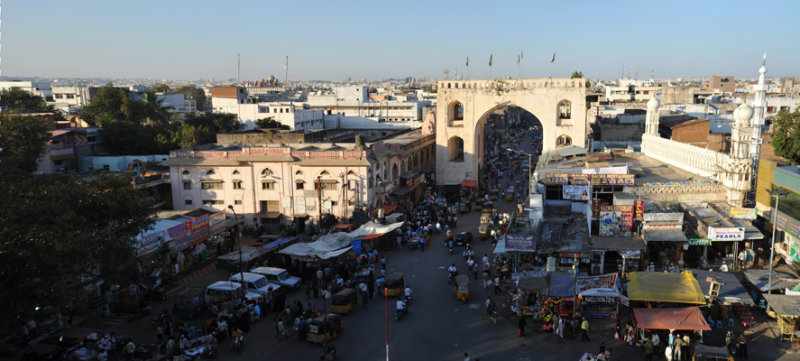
point(616, 221)
point(743, 213)
point(661, 226)
point(794, 229)
point(150, 242)
point(726, 234)
point(595, 208)
point(327, 205)
point(216, 222)
point(782, 221)
point(410, 182)
point(625, 300)
point(190, 233)
point(638, 209)
point(599, 299)
point(300, 205)
point(601, 281)
point(518, 242)
point(579, 179)
point(556, 178)
point(287, 202)
point(664, 217)
point(577, 193)
point(794, 247)
point(613, 179)
point(699, 241)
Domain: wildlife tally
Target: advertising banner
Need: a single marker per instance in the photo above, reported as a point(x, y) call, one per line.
point(794, 229)
point(616, 221)
point(743, 213)
point(782, 221)
point(190, 233)
point(664, 217)
point(517, 242)
point(600, 281)
point(150, 242)
point(577, 193)
point(699, 241)
point(216, 222)
point(300, 205)
point(725, 234)
point(638, 210)
point(613, 179)
point(595, 208)
point(556, 178)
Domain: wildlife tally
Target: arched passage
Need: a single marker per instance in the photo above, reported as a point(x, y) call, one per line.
point(455, 147)
point(506, 120)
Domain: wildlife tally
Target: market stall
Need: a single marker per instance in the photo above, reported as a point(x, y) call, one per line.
point(731, 291)
point(326, 247)
point(542, 298)
point(787, 311)
point(665, 287)
point(599, 295)
point(677, 318)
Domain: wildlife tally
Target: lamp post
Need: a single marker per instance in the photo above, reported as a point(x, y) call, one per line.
point(239, 243)
point(776, 193)
point(386, 316)
point(530, 168)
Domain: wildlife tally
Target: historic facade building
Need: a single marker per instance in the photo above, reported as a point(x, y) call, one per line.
point(464, 105)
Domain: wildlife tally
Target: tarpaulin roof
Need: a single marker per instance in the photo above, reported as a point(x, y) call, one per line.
point(784, 305)
point(248, 254)
point(679, 318)
point(664, 235)
point(279, 242)
point(468, 183)
point(389, 208)
point(760, 278)
point(665, 287)
point(371, 228)
point(731, 291)
point(327, 246)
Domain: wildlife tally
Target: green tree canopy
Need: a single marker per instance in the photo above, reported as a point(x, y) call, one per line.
point(270, 122)
point(160, 88)
point(21, 101)
point(112, 104)
point(576, 75)
point(786, 135)
point(22, 141)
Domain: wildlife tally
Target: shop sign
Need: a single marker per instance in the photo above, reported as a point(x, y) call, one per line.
point(216, 222)
point(664, 217)
point(638, 209)
point(794, 229)
point(726, 234)
point(601, 281)
point(579, 179)
point(599, 299)
point(327, 205)
point(595, 208)
point(743, 213)
point(150, 242)
point(517, 242)
point(630, 253)
point(661, 226)
point(613, 179)
point(300, 205)
point(190, 233)
point(577, 193)
point(794, 247)
point(782, 221)
point(410, 182)
point(699, 241)
point(556, 178)
point(625, 300)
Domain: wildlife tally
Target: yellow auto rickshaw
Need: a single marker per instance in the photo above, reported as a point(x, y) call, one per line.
point(486, 218)
point(461, 289)
point(494, 194)
point(488, 207)
point(478, 205)
point(344, 301)
point(395, 284)
point(484, 229)
point(464, 207)
point(325, 328)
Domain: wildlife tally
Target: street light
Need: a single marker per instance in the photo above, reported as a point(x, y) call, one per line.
point(777, 193)
point(530, 168)
point(239, 242)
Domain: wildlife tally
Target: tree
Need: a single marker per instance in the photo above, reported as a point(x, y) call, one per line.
point(112, 104)
point(21, 101)
point(270, 122)
point(197, 94)
point(22, 143)
point(576, 75)
point(786, 135)
point(160, 88)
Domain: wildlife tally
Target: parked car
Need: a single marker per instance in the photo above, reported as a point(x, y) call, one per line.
point(255, 283)
point(279, 276)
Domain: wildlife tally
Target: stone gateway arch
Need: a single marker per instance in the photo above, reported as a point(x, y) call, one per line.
point(464, 105)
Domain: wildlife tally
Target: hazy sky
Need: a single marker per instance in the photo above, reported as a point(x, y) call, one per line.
point(334, 39)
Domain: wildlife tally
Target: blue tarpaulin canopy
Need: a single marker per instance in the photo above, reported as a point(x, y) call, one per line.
point(279, 242)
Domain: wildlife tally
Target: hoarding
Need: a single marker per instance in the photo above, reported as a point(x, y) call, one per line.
point(616, 221)
point(699, 241)
point(743, 213)
point(556, 178)
point(664, 217)
point(577, 193)
point(725, 234)
point(638, 210)
point(613, 179)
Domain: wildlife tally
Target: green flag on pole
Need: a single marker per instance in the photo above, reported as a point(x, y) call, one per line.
point(490, 59)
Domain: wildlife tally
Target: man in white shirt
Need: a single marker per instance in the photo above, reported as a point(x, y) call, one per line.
point(724, 267)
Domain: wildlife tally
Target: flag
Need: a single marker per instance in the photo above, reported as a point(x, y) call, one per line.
point(519, 57)
point(554, 58)
point(490, 59)
point(467, 61)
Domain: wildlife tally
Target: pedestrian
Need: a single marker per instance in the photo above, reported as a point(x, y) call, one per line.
point(585, 330)
point(497, 284)
point(677, 349)
point(561, 325)
point(743, 345)
point(130, 349)
point(668, 353)
point(485, 278)
point(422, 244)
point(466, 356)
point(648, 350)
point(522, 323)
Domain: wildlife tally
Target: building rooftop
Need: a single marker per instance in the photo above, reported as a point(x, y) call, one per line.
point(646, 169)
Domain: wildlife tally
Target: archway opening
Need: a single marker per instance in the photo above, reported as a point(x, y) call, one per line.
point(506, 134)
point(455, 147)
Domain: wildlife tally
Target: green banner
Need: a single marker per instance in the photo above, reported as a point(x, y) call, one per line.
point(700, 242)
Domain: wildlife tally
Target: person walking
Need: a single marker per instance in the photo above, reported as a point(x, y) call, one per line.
point(585, 331)
point(561, 325)
point(422, 244)
point(743, 345)
point(648, 350)
point(676, 349)
point(522, 323)
point(497, 284)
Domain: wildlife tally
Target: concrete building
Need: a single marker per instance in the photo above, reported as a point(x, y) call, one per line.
point(631, 90)
point(465, 105)
point(700, 133)
point(237, 100)
point(725, 84)
point(295, 183)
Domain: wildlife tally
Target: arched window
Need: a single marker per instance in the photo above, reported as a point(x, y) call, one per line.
point(403, 166)
point(210, 173)
point(395, 173)
point(564, 141)
point(325, 173)
point(186, 175)
point(416, 161)
point(565, 109)
point(456, 111)
point(236, 174)
point(385, 171)
point(298, 173)
point(455, 147)
point(268, 172)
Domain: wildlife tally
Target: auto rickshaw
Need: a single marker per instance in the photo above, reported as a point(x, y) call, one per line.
point(413, 243)
point(488, 207)
point(461, 289)
point(478, 205)
point(344, 301)
point(494, 195)
point(325, 328)
point(464, 207)
point(484, 230)
point(395, 284)
point(486, 218)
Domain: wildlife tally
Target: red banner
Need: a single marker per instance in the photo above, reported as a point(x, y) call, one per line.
point(638, 210)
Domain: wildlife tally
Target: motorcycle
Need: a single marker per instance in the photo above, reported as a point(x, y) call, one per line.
point(328, 353)
point(398, 314)
point(730, 343)
point(238, 344)
point(163, 316)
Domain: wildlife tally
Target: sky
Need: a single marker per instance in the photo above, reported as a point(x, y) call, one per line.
point(334, 40)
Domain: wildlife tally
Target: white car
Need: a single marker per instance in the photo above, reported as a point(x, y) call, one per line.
point(255, 282)
point(279, 276)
